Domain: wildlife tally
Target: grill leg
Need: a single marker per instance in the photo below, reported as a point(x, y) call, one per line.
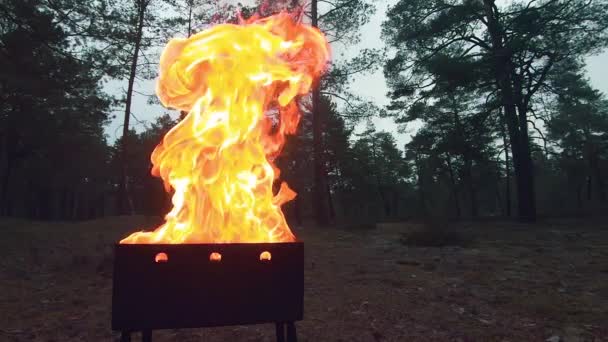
point(146, 336)
point(291, 332)
point(280, 329)
point(125, 336)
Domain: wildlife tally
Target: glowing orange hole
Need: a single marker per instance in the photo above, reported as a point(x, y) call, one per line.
point(161, 257)
point(215, 256)
point(264, 256)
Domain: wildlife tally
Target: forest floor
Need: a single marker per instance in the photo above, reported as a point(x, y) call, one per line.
point(510, 282)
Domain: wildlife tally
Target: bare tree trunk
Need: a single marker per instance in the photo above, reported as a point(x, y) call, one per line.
point(499, 201)
point(507, 166)
point(454, 186)
point(124, 203)
point(471, 186)
point(6, 176)
point(76, 206)
point(468, 163)
point(468, 175)
point(601, 191)
point(522, 162)
point(507, 183)
point(55, 203)
point(395, 210)
point(6, 165)
point(595, 173)
point(190, 5)
point(381, 192)
point(420, 186)
point(516, 122)
point(4, 171)
point(524, 173)
point(31, 201)
point(102, 205)
point(319, 188)
point(63, 199)
point(579, 197)
point(330, 203)
point(588, 187)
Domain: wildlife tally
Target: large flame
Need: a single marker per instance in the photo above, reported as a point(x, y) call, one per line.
point(239, 84)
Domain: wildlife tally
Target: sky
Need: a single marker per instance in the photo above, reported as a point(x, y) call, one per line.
point(371, 86)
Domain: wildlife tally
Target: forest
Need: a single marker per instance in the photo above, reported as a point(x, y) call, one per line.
point(508, 122)
point(496, 138)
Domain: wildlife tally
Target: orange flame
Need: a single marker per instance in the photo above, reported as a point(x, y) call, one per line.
point(239, 84)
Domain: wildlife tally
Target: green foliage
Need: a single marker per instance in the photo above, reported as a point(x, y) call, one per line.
point(55, 162)
point(500, 53)
point(454, 153)
point(376, 179)
point(51, 124)
point(367, 178)
point(146, 192)
point(470, 73)
point(183, 18)
point(581, 113)
point(578, 128)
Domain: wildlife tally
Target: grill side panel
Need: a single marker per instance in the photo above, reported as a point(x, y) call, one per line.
point(189, 290)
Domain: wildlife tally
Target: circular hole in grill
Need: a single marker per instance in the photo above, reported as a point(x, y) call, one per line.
point(161, 257)
point(265, 256)
point(215, 256)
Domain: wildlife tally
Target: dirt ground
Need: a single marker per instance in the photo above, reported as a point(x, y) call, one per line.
point(512, 282)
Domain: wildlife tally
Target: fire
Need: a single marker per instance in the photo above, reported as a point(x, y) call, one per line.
point(239, 85)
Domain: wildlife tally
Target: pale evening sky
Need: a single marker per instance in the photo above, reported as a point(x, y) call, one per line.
point(371, 86)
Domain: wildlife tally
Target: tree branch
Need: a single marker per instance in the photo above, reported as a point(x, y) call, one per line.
point(335, 9)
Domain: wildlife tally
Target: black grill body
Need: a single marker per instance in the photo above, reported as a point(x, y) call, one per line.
point(189, 290)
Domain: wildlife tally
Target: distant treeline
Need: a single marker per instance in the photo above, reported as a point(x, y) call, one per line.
point(509, 123)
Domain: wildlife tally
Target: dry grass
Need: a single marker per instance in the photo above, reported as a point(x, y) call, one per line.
point(516, 283)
